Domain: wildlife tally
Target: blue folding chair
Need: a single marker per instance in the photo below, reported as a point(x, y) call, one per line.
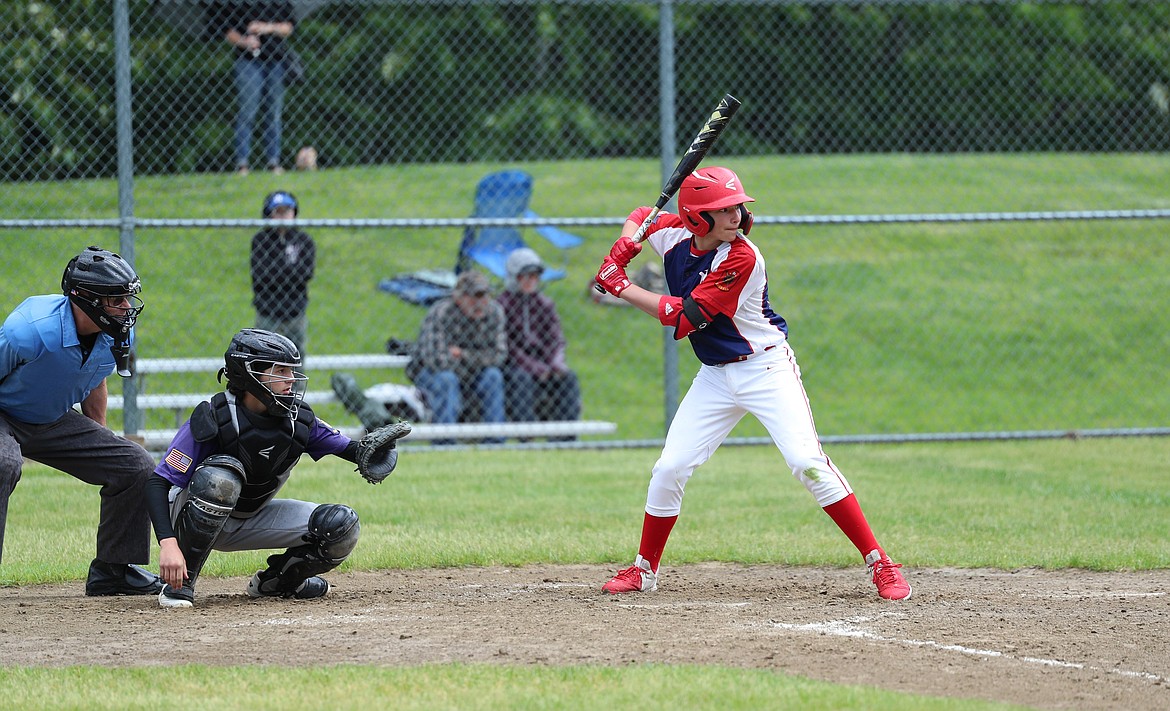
point(502, 195)
point(423, 287)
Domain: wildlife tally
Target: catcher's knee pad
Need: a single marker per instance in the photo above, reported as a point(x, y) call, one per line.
point(334, 528)
point(219, 479)
point(333, 533)
point(211, 496)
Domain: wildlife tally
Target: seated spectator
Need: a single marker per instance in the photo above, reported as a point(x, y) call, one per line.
point(460, 349)
point(540, 385)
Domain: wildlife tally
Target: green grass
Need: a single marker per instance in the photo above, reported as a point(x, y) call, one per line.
point(453, 686)
point(898, 328)
point(1048, 504)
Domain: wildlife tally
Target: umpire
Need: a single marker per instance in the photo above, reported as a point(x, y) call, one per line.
point(56, 352)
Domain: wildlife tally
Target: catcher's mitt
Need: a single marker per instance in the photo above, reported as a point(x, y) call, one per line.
point(376, 454)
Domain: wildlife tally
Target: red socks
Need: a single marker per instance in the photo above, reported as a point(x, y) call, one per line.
point(846, 513)
point(655, 531)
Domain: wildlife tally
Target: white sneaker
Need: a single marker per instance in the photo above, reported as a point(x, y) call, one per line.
point(636, 578)
point(168, 597)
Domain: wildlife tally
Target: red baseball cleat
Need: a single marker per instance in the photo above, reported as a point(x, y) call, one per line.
point(886, 576)
point(636, 578)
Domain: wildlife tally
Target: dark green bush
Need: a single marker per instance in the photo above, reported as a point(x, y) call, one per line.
point(406, 83)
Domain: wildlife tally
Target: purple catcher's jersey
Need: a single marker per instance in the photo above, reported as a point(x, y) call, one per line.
point(185, 453)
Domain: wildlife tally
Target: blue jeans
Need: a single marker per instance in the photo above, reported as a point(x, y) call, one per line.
point(259, 83)
point(558, 397)
point(444, 393)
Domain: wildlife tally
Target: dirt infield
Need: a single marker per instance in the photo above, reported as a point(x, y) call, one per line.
point(1065, 639)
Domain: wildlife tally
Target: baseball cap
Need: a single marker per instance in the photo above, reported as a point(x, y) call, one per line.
point(472, 284)
point(278, 199)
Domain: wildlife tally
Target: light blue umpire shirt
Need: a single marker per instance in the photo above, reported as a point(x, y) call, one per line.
point(43, 373)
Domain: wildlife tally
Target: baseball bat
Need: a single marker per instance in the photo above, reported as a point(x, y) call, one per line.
point(689, 162)
point(691, 159)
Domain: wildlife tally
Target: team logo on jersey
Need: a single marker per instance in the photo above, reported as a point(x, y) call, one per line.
point(727, 280)
point(179, 462)
point(328, 426)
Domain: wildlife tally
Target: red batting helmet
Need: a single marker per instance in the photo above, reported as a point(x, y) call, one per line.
point(711, 189)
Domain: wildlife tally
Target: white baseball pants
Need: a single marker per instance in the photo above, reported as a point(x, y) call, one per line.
point(767, 385)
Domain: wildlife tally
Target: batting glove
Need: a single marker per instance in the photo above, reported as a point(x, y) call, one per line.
point(612, 277)
point(624, 250)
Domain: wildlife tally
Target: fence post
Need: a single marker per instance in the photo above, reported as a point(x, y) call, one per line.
point(124, 111)
point(666, 104)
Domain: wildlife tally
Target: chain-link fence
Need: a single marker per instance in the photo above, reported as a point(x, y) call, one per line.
point(129, 125)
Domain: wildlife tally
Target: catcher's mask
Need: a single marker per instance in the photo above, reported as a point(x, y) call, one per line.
point(261, 362)
point(712, 189)
point(105, 287)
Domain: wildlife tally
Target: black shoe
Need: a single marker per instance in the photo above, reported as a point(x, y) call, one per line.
point(267, 584)
point(120, 579)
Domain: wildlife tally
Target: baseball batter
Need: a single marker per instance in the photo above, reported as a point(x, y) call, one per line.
point(719, 300)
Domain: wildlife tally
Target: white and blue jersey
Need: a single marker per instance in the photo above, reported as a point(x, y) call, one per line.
point(44, 371)
point(729, 284)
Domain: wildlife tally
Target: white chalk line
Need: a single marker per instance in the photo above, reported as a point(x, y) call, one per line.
point(850, 627)
point(1121, 595)
point(356, 617)
point(683, 605)
point(524, 587)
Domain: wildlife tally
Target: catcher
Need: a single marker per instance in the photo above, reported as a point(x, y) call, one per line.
point(217, 484)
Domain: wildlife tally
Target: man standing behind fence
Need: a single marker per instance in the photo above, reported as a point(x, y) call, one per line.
point(283, 261)
point(257, 31)
point(56, 352)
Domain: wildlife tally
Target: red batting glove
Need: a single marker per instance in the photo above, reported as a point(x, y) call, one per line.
point(612, 277)
point(624, 250)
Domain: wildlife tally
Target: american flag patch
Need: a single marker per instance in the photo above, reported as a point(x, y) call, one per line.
point(179, 462)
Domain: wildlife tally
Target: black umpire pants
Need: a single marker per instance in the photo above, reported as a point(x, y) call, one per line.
point(87, 451)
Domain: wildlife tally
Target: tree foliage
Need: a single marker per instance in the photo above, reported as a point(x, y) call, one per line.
point(414, 82)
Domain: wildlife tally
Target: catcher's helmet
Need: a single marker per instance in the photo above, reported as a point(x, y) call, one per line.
point(252, 352)
point(711, 189)
point(98, 274)
point(280, 198)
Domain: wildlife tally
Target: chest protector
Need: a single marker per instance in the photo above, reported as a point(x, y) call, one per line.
point(268, 447)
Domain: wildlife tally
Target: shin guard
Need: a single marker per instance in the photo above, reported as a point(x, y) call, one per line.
point(211, 497)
